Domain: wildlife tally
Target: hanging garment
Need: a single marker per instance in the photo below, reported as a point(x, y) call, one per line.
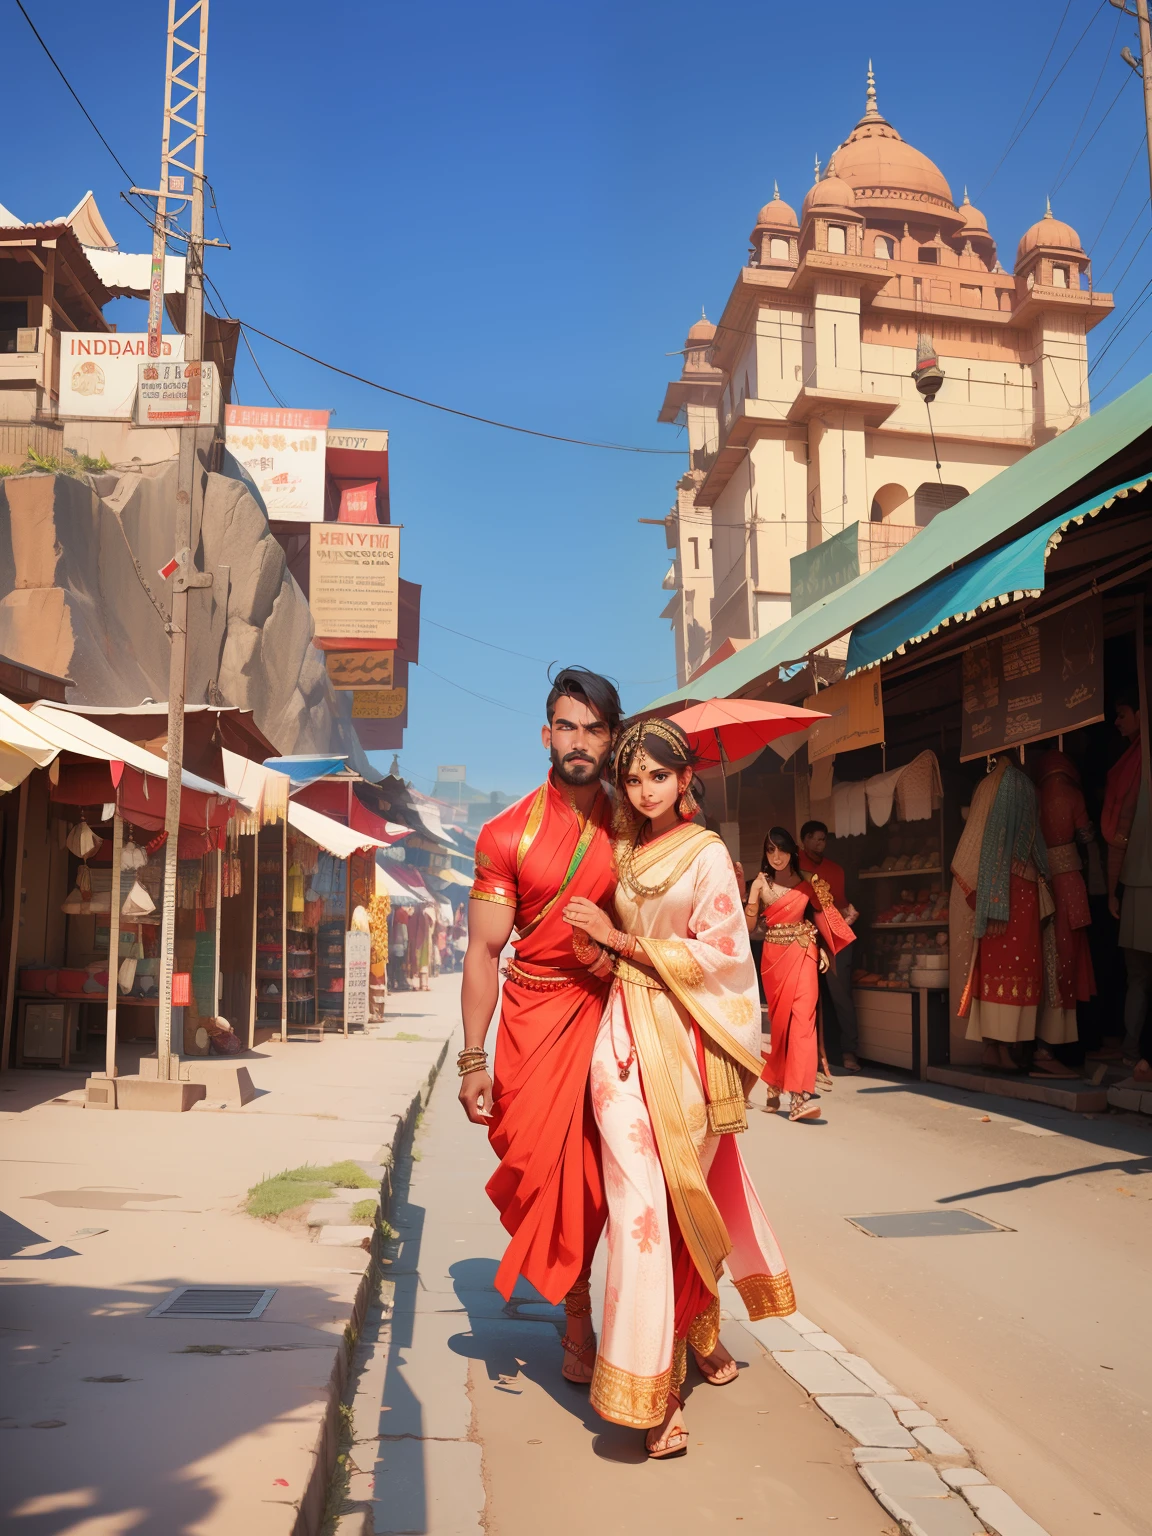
point(919, 790)
point(850, 809)
point(881, 791)
point(295, 888)
point(82, 841)
point(132, 856)
point(137, 903)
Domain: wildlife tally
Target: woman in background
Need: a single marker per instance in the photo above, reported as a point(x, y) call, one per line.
point(802, 933)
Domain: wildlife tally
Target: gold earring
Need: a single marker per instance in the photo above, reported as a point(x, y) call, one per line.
point(687, 805)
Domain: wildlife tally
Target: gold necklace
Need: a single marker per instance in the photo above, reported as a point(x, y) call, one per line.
point(624, 864)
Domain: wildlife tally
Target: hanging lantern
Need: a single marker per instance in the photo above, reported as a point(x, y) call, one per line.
point(928, 374)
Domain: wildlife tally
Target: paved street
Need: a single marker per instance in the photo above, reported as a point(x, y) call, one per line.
point(462, 1422)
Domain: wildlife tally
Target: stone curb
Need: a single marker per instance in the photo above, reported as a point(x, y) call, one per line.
point(326, 1446)
point(919, 1473)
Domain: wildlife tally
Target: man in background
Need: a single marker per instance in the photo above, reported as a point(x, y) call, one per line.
point(836, 983)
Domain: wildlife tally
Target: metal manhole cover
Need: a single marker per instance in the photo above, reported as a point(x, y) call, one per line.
point(954, 1223)
point(220, 1303)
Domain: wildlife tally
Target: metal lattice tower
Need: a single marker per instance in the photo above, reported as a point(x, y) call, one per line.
point(182, 170)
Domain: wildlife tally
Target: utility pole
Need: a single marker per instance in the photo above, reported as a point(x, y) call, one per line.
point(183, 150)
point(1141, 67)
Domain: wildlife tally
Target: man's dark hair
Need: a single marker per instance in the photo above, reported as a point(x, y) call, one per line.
point(597, 692)
point(812, 826)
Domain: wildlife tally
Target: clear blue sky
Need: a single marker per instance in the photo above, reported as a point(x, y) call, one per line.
point(518, 209)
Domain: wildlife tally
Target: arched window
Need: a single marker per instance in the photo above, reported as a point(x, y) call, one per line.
point(1059, 277)
point(882, 248)
point(886, 501)
point(837, 239)
point(778, 248)
point(932, 498)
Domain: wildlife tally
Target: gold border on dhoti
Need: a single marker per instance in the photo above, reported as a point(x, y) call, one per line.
point(704, 1332)
point(638, 1401)
point(767, 1295)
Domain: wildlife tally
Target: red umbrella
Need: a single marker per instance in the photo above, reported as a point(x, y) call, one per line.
point(721, 730)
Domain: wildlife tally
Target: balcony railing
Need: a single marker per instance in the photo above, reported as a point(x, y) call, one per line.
point(879, 540)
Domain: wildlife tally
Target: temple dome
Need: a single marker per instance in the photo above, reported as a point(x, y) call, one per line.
point(1049, 233)
point(884, 171)
point(777, 214)
point(974, 221)
point(831, 193)
point(702, 331)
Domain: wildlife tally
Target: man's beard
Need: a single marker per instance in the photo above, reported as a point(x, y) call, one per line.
point(575, 771)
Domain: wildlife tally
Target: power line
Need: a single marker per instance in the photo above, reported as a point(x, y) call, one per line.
point(1088, 141)
point(626, 682)
point(1018, 133)
point(482, 696)
point(1119, 190)
point(1099, 80)
point(450, 410)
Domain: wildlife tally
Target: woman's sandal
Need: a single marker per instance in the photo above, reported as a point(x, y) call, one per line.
point(672, 1441)
point(578, 1303)
point(804, 1106)
point(727, 1371)
point(772, 1103)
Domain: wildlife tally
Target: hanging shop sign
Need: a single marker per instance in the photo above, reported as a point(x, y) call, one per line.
point(360, 669)
point(354, 581)
point(1034, 682)
point(177, 394)
point(855, 710)
point(366, 441)
point(282, 452)
point(357, 965)
point(100, 370)
point(379, 704)
point(358, 504)
point(827, 568)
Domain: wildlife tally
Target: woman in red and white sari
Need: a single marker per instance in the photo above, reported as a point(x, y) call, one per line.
point(677, 1052)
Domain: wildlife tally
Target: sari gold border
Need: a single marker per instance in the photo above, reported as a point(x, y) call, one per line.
point(704, 1332)
point(701, 1224)
point(767, 1295)
point(531, 826)
point(648, 854)
point(667, 956)
point(501, 901)
point(638, 1401)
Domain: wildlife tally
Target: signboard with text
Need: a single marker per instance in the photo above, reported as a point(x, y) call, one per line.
point(451, 773)
point(855, 710)
point(361, 669)
point(177, 394)
point(99, 370)
point(354, 581)
point(379, 704)
point(282, 451)
point(1037, 681)
point(357, 964)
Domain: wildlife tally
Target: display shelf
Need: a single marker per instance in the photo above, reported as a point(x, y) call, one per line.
point(913, 922)
point(896, 874)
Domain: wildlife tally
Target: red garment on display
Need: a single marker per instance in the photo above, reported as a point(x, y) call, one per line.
point(1009, 969)
point(548, 1187)
point(791, 973)
point(1062, 814)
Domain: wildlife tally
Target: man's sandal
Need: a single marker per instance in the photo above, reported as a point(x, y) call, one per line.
point(773, 1101)
point(578, 1303)
point(672, 1441)
point(805, 1106)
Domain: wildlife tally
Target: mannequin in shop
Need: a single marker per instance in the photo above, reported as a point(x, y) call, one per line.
point(1128, 833)
point(1067, 831)
point(1000, 873)
point(836, 982)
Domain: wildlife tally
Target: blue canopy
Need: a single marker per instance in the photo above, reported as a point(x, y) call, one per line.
point(1003, 576)
point(304, 770)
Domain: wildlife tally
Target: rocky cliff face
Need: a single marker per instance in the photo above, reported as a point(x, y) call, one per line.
point(80, 596)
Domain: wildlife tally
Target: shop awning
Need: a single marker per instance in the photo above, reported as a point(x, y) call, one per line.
point(387, 884)
point(23, 746)
point(1004, 576)
point(302, 770)
point(264, 791)
point(1055, 469)
point(329, 834)
point(451, 876)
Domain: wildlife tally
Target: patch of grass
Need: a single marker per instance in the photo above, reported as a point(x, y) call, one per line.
point(339, 1482)
point(404, 1035)
point(301, 1186)
point(363, 1213)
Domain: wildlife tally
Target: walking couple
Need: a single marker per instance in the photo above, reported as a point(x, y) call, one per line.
point(629, 1038)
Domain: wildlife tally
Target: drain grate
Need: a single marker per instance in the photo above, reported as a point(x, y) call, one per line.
point(220, 1303)
point(955, 1223)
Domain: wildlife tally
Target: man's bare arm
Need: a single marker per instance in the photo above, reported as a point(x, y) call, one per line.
point(489, 929)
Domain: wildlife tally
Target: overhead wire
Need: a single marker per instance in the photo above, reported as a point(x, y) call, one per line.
point(1060, 178)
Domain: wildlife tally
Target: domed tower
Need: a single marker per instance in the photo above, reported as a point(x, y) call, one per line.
point(974, 232)
point(1050, 254)
point(830, 220)
point(775, 238)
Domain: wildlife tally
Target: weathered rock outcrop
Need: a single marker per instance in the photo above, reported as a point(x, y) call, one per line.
point(80, 596)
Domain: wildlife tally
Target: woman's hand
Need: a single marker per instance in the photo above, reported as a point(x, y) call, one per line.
point(585, 914)
point(476, 1097)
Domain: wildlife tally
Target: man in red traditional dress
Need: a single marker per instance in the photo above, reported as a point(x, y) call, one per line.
point(553, 844)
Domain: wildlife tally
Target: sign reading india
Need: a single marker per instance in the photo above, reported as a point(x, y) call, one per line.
point(354, 581)
point(99, 370)
point(282, 453)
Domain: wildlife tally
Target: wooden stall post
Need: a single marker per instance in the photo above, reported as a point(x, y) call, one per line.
point(284, 931)
point(14, 938)
point(113, 946)
point(255, 921)
point(216, 967)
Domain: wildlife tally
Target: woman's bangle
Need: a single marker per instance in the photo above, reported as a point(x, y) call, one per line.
point(473, 1058)
point(623, 943)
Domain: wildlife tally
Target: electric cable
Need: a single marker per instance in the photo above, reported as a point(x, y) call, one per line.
point(1088, 141)
point(483, 697)
point(450, 410)
point(1099, 80)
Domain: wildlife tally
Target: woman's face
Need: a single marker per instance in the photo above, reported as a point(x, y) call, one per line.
point(653, 789)
point(777, 858)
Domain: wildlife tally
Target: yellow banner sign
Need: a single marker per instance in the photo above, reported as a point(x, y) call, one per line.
point(855, 710)
point(360, 669)
point(379, 703)
point(354, 577)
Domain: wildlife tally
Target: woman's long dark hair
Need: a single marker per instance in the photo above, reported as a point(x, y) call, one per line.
point(781, 839)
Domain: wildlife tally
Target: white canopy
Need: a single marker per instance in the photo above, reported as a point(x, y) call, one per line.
point(329, 834)
point(388, 885)
point(76, 733)
point(23, 746)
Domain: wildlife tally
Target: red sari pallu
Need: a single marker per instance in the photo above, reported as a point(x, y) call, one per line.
point(789, 966)
point(534, 857)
